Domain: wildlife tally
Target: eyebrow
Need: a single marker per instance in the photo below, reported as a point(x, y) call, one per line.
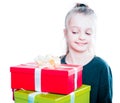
point(74, 27)
point(89, 29)
point(79, 27)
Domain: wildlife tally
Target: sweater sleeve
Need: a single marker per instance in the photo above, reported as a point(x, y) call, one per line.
point(105, 86)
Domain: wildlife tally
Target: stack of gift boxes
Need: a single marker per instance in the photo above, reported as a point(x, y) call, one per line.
point(61, 84)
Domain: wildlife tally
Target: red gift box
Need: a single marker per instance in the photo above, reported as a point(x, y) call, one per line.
point(64, 79)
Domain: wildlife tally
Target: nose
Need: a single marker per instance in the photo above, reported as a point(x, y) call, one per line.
point(81, 36)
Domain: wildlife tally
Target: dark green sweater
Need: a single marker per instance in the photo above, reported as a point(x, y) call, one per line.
point(97, 73)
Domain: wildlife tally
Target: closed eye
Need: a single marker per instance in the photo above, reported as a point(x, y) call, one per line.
point(74, 32)
point(88, 33)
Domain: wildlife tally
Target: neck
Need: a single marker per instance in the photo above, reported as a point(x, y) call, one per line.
point(79, 58)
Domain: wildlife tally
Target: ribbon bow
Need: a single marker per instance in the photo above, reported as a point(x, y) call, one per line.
point(47, 61)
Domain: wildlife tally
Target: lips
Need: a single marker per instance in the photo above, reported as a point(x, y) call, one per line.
point(81, 43)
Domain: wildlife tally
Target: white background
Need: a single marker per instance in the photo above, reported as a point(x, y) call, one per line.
point(29, 28)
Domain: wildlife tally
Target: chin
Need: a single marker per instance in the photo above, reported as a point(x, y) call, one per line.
point(80, 50)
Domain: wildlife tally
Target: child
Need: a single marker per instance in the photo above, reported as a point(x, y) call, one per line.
point(80, 26)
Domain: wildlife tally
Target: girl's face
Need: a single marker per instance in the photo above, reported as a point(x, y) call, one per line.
point(80, 32)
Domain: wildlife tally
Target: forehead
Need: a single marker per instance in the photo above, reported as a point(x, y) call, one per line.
point(82, 21)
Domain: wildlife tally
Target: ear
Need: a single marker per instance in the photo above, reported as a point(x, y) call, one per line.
point(65, 32)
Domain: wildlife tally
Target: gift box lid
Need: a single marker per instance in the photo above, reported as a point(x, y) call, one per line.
point(49, 97)
point(62, 68)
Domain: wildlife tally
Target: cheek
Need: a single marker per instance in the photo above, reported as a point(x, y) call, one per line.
point(91, 42)
point(89, 38)
point(70, 41)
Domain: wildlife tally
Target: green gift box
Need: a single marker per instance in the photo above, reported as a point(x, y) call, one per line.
point(81, 95)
